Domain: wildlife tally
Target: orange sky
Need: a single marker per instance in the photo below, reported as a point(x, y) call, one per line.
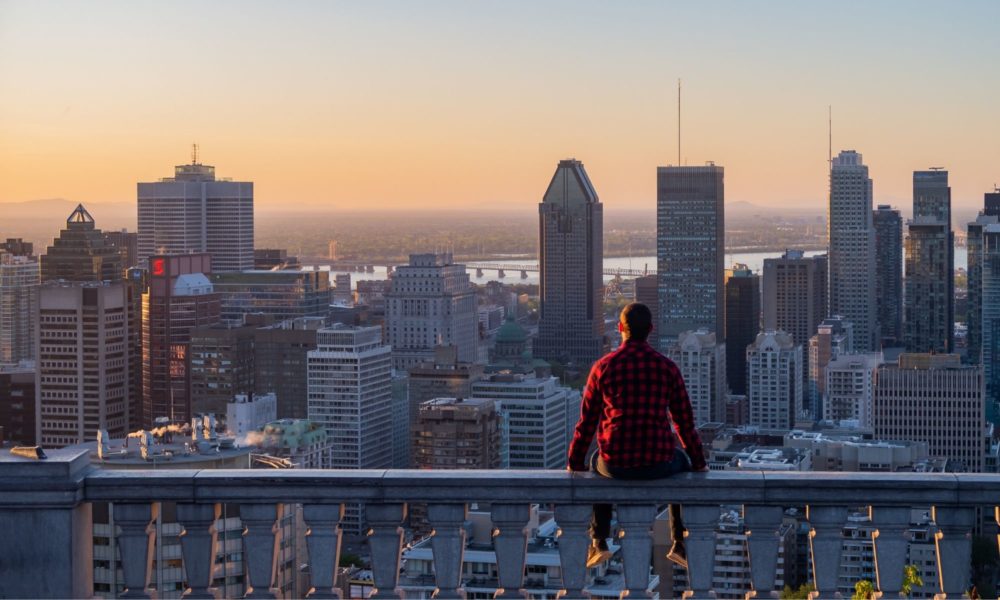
point(454, 104)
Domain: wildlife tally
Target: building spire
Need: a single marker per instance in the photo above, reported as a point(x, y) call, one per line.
point(79, 215)
point(194, 154)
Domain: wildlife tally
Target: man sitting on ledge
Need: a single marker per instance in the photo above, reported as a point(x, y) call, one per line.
point(634, 400)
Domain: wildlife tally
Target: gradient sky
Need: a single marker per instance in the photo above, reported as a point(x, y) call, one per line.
point(471, 104)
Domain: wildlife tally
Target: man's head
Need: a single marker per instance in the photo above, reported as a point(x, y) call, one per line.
point(636, 322)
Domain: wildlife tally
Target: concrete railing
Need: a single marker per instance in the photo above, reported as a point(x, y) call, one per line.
point(45, 545)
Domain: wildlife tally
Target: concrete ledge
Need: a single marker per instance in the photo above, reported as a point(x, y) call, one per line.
point(724, 487)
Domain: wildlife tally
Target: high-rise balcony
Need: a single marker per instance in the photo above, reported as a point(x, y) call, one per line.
point(46, 544)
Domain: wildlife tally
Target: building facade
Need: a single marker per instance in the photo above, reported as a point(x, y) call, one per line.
point(989, 318)
point(455, 433)
point(690, 249)
point(195, 212)
point(179, 298)
point(834, 337)
point(222, 366)
point(852, 248)
point(571, 263)
point(82, 374)
point(774, 381)
point(933, 398)
point(281, 360)
point(702, 362)
point(282, 294)
point(17, 403)
point(431, 302)
point(19, 280)
point(889, 273)
point(849, 385)
point(990, 215)
point(538, 417)
point(742, 323)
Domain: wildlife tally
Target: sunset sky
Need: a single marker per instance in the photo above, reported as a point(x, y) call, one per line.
point(471, 104)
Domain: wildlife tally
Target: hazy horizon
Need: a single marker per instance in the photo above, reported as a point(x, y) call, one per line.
point(452, 105)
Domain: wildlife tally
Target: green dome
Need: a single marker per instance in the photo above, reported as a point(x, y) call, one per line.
point(511, 333)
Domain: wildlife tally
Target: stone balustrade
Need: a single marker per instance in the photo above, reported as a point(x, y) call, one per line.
point(46, 548)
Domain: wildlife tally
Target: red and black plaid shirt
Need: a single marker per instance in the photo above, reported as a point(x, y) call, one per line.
point(633, 396)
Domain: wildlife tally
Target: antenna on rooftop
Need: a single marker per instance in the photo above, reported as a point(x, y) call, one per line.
point(678, 121)
point(194, 154)
point(829, 148)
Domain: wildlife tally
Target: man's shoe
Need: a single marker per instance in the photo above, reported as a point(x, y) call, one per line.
point(678, 554)
point(597, 553)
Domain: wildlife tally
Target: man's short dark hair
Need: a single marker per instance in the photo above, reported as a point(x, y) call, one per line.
point(637, 321)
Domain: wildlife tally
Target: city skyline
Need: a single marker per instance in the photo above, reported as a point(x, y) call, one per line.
point(340, 91)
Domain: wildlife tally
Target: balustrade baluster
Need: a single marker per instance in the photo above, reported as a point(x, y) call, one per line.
point(448, 547)
point(701, 522)
point(826, 543)
point(891, 523)
point(574, 541)
point(953, 542)
point(135, 544)
point(260, 545)
point(636, 536)
point(385, 541)
point(510, 542)
point(323, 540)
point(198, 538)
point(762, 523)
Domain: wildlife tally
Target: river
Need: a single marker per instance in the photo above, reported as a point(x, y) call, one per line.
point(755, 260)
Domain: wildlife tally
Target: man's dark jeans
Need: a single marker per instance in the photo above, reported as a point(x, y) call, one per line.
point(600, 525)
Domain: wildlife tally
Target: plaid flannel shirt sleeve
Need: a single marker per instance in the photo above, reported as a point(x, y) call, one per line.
point(683, 417)
point(586, 427)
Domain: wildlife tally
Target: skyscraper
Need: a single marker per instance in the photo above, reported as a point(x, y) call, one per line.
point(852, 248)
point(647, 292)
point(690, 247)
point(81, 253)
point(222, 366)
point(929, 309)
point(571, 259)
point(974, 271)
point(82, 375)
point(990, 319)
point(889, 273)
point(834, 337)
point(194, 212)
point(179, 299)
point(849, 388)
point(457, 433)
point(281, 363)
point(350, 394)
point(431, 302)
point(774, 389)
point(742, 323)
point(702, 362)
point(19, 279)
point(933, 398)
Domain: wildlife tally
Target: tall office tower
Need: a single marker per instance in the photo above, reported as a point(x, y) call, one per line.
point(889, 273)
point(647, 292)
point(539, 417)
point(194, 212)
point(690, 249)
point(933, 398)
point(82, 374)
point(431, 302)
point(222, 366)
point(742, 323)
point(17, 403)
point(179, 299)
point(852, 248)
point(974, 247)
point(444, 376)
point(19, 279)
point(774, 387)
point(127, 244)
point(281, 363)
point(990, 319)
point(849, 388)
point(929, 310)
point(350, 394)
point(281, 294)
point(795, 298)
point(571, 259)
point(456, 433)
point(702, 362)
point(80, 253)
point(834, 337)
